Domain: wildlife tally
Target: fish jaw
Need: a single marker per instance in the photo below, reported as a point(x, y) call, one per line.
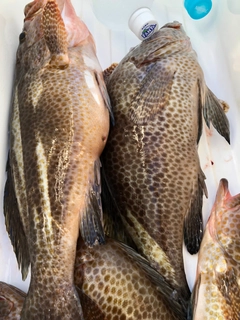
point(217, 289)
point(224, 221)
point(208, 302)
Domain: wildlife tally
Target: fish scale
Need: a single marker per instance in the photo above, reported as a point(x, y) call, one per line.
point(216, 294)
point(151, 161)
point(113, 282)
point(59, 127)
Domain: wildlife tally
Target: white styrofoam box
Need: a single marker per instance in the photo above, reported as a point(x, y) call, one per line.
point(217, 43)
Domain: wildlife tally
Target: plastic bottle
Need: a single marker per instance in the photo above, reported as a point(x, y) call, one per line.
point(198, 9)
point(124, 14)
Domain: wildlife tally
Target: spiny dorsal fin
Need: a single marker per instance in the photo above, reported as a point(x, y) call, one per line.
point(55, 35)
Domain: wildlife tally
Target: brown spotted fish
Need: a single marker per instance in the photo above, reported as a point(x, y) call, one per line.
point(151, 163)
point(59, 126)
point(114, 282)
point(11, 302)
point(217, 290)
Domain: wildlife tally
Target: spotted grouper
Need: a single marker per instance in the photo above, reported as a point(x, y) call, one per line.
point(59, 127)
point(216, 294)
point(114, 282)
point(151, 162)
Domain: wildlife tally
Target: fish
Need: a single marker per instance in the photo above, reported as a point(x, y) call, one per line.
point(59, 125)
point(151, 164)
point(216, 294)
point(114, 282)
point(11, 301)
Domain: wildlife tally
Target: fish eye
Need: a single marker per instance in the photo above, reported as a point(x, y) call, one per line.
point(22, 36)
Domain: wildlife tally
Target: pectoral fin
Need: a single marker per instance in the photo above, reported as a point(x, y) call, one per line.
point(193, 224)
point(55, 35)
point(152, 94)
point(213, 112)
point(91, 226)
point(14, 225)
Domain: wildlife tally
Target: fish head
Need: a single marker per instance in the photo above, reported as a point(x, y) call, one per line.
point(54, 20)
point(217, 280)
point(168, 40)
point(224, 221)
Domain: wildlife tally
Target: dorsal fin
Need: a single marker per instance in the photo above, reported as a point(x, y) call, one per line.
point(55, 35)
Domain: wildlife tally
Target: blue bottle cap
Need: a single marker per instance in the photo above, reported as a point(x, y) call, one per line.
point(197, 9)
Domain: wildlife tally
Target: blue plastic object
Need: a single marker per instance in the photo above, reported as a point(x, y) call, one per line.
point(197, 9)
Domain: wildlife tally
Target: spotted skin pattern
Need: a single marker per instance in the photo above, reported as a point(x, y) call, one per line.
point(217, 290)
point(151, 160)
point(11, 302)
point(114, 286)
point(59, 127)
point(113, 282)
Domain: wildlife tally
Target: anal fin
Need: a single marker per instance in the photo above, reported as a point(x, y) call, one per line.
point(91, 226)
point(14, 225)
point(55, 35)
point(193, 223)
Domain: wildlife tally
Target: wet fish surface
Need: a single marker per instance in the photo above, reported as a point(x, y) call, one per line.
point(59, 126)
point(216, 294)
point(11, 302)
point(114, 282)
point(151, 163)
